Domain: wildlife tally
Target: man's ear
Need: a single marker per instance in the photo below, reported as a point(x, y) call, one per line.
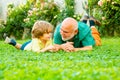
point(76, 31)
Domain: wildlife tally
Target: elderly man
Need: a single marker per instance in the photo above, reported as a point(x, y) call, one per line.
point(71, 35)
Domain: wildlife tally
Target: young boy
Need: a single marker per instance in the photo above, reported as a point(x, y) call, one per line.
point(41, 38)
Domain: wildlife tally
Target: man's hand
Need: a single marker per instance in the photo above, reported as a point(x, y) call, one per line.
point(68, 47)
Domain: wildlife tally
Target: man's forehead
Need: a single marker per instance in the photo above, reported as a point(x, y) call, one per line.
point(66, 29)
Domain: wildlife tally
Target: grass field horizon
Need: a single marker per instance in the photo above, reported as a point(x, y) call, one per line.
point(102, 63)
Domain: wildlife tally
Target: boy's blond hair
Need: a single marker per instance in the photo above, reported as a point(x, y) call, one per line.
point(41, 27)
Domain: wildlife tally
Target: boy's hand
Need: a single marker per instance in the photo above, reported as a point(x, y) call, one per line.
point(54, 48)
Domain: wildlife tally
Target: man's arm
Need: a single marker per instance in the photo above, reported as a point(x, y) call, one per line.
point(83, 48)
point(68, 46)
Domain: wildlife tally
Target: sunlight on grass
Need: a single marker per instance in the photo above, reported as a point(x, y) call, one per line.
point(102, 63)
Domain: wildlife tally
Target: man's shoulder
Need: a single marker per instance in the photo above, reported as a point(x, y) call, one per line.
point(58, 26)
point(82, 25)
point(83, 30)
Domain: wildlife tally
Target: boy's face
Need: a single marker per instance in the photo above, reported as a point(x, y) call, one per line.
point(46, 36)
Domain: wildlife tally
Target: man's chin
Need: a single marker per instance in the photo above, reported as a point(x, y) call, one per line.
point(64, 39)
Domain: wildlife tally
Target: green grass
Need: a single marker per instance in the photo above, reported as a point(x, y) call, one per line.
point(102, 63)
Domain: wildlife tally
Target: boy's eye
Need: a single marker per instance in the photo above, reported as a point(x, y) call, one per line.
point(49, 32)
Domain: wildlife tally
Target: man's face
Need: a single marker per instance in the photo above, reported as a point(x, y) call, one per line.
point(67, 33)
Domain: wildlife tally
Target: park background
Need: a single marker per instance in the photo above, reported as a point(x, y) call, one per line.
point(17, 17)
point(102, 63)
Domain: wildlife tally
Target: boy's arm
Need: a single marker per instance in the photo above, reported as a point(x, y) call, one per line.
point(47, 48)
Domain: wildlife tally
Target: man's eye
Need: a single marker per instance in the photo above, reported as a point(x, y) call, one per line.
point(64, 31)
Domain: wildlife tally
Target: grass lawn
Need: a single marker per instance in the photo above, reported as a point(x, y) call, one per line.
point(102, 63)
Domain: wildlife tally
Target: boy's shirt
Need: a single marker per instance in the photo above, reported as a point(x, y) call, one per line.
point(36, 45)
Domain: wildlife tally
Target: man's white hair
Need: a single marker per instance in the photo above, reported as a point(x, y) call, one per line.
point(73, 22)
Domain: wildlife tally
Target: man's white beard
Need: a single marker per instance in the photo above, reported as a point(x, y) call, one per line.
point(66, 39)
